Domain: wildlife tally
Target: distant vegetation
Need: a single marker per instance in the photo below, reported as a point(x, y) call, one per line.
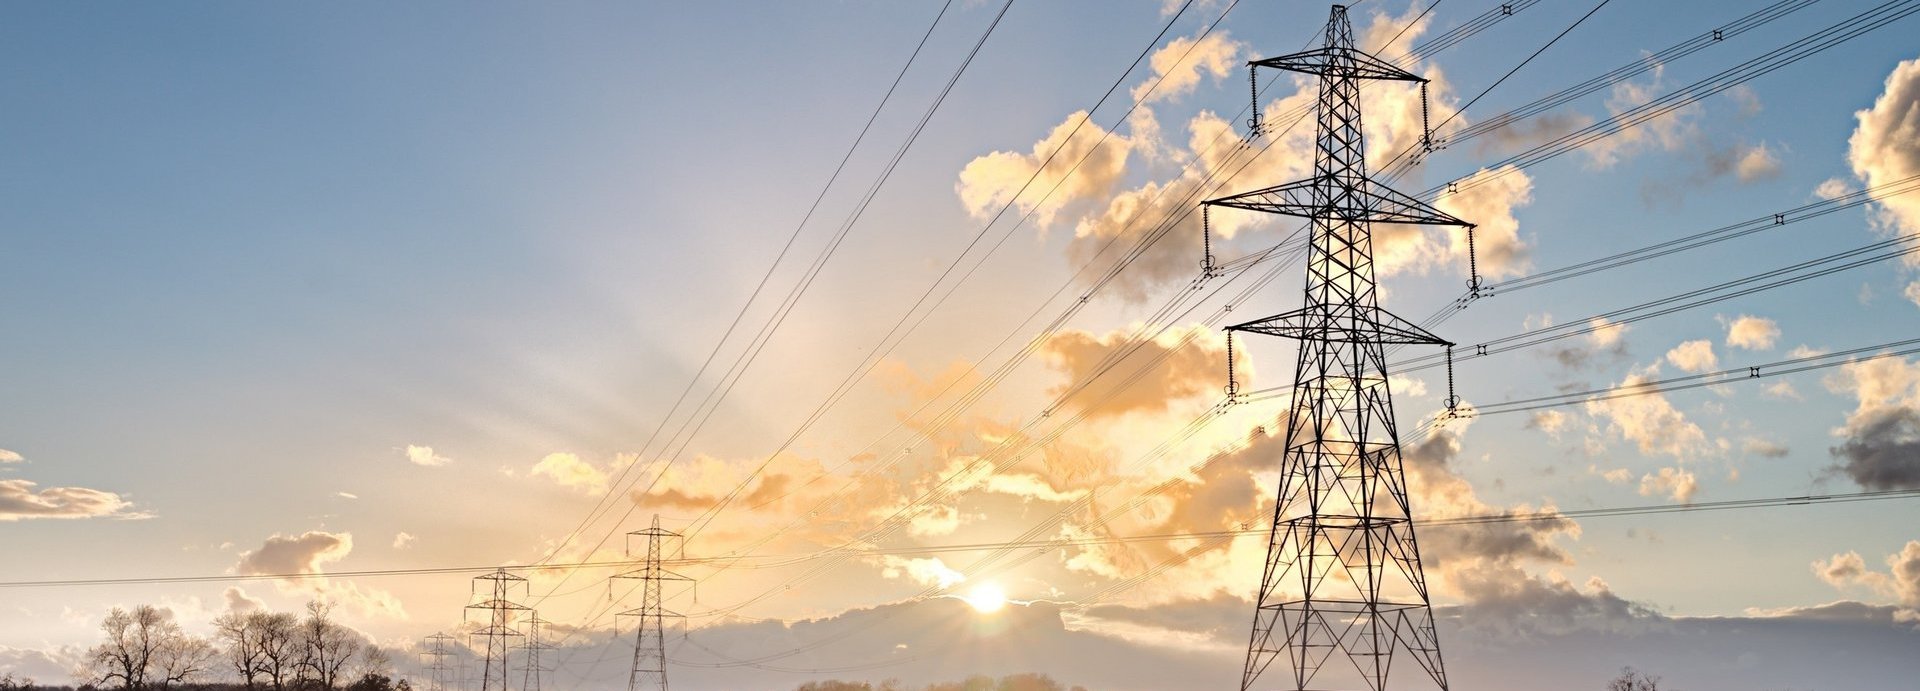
point(146, 650)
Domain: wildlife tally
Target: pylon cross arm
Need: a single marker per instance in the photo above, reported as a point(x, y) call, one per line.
point(1367, 201)
point(1339, 61)
point(1349, 325)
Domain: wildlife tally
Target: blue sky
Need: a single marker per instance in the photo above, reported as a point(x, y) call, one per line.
point(256, 252)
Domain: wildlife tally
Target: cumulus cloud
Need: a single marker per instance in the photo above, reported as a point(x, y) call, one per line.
point(305, 553)
point(1832, 188)
point(402, 540)
point(1181, 363)
point(1693, 356)
point(10, 456)
point(989, 182)
point(1676, 483)
point(19, 501)
point(1900, 582)
point(1649, 421)
point(1752, 333)
point(1179, 66)
point(239, 602)
point(568, 470)
point(1490, 205)
point(424, 456)
point(1885, 146)
point(299, 563)
point(1881, 438)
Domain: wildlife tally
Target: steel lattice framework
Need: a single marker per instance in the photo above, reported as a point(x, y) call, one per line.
point(650, 639)
point(439, 676)
point(1342, 593)
point(499, 632)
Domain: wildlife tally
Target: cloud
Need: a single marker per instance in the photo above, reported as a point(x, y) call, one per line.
point(1880, 448)
point(19, 501)
point(1752, 333)
point(1649, 421)
point(1670, 131)
point(1755, 446)
point(239, 602)
point(1832, 188)
point(305, 553)
point(300, 561)
point(1693, 356)
point(1672, 482)
point(989, 182)
point(1179, 66)
point(569, 471)
point(930, 571)
point(1499, 250)
point(1900, 582)
point(1757, 162)
point(424, 456)
point(1605, 343)
point(402, 540)
point(1181, 363)
point(1885, 146)
point(10, 456)
point(346, 495)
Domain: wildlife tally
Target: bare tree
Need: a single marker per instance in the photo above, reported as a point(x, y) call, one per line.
point(181, 658)
point(146, 649)
point(240, 634)
point(1631, 679)
point(326, 647)
point(278, 636)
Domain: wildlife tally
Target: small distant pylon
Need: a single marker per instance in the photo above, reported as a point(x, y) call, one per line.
point(440, 676)
point(650, 641)
point(501, 612)
point(533, 646)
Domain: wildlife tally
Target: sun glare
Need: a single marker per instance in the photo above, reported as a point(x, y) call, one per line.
point(987, 598)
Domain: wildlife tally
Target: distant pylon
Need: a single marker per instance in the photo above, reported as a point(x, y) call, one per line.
point(501, 613)
point(1343, 573)
point(440, 676)
point(649, 638)
point(533, 646)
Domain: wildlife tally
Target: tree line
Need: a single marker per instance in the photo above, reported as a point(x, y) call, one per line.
point(146, 650)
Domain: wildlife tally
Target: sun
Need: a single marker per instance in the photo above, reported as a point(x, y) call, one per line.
point(986, 598)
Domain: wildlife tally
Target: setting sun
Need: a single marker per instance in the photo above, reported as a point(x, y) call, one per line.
point(987, 598)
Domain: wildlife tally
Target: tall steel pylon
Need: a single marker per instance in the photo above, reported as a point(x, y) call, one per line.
point(439, 675)
point(534, 646)
point(1343, 574)
point(499, 632)
point(649, 638)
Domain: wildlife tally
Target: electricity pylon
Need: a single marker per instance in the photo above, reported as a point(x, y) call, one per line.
point(649, 639)
point(534, 645)
point(1343, 576)
point(439, 675)
point(499, 632)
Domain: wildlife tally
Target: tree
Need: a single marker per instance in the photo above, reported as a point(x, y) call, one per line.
point(1631, 679)
point(326, 647)
point(146, 649)
point(278, 636)
point(240, 634)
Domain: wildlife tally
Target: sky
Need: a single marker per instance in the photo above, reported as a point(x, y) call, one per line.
point(311, 289)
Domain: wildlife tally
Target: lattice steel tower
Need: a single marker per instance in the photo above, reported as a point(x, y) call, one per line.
point(499, 632)
point(649, 639)
point(439, 675)
point(1342, 592)
point(534, 646)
